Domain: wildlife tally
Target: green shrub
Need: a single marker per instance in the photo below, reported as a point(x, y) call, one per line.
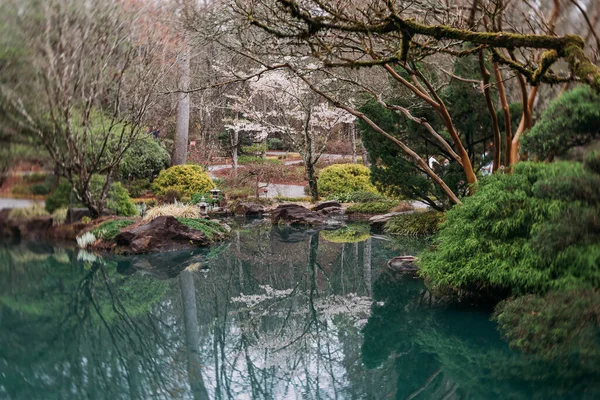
point(197, 198)
point(380, 207)
point(33, 211)
point(560, 325)
point(520, 233)
point(138, 187)
point(414, 224)
point(345, 178)
point(118, 198)
point(120, 202)
point(212, 230)
point(40, 189)
point(358, 197)
point(110, 229)
point(186, 179)
point(60, 197)
point(274, 144)
point(282, 199)
point(20, 190)
point(572, 119)
point(144, 160)
point(246, 159)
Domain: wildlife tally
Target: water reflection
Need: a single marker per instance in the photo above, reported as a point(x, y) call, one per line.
point(274, 313)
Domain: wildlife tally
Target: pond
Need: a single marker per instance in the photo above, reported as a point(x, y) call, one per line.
point(271, 314)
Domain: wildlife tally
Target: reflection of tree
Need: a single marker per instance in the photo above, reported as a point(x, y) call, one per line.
point(444, 352)
point(86, 330)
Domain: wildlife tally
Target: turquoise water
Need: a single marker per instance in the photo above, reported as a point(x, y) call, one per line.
point(270, 314)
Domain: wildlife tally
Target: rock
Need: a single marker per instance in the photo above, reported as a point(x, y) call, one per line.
point(293, 214)
point(326, 204)
point(331, 211)
point(161, 234)
point(31, 229)
point(403, 264)
point(249, 209)
point(378, 221)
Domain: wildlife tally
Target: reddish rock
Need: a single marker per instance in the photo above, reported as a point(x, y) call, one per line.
point(161, 234)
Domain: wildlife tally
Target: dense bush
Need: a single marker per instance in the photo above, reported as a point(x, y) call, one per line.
point(560, 325)
point(118, 199)
point(138, 187)
point(144, 160)
point(275, 144)
point(345, 178)
point(571, 120)
point(60, 197)
point(40, 189)
point(186, 179)
point(373, 207)
point(414, 224)
point(528, 232)
point(246, 159)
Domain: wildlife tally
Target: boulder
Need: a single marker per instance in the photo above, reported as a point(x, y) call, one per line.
point(326, 204)
point(31, 229)
point(161, 234)
point(403, 264)
point(249, 209)
point(331, 211)
point(294, 214)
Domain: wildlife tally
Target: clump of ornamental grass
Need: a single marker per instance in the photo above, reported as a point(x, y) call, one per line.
point(177, 210)
point(59, 216)
point(23, 214)
point(414, 224)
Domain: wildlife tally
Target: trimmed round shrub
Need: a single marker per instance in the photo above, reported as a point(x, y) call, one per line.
point(186, 179)
point(60, 197)
point(345, 178)
point(144, 160)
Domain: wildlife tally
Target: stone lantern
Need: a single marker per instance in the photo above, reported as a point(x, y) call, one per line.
point(214, 193)
point(202, 205)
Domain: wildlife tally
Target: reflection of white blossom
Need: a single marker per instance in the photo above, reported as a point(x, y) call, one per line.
point(83, 255)
point(252, 300)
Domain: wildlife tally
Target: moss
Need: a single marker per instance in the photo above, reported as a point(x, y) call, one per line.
point(110, 229)
point(348, 234)
point(213, 230)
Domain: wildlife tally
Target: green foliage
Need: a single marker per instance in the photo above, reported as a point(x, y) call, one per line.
point(345, 178)
point(35, 210)
point(138, 187)
point(414, 224)
point(118, 198)
point(560, 325)
point(352, 233)
point(275, 144)
point(186, 179)
point(144, 159)
point(520, 233)
point(40, 189)
point(246, 159)
point(197, 198)
point(110, 229)
point(20, 190)
point(213, 230)
point(571, 120)
point(60, 197)
point(59, 216)
point(372, 207)
point(283, 199)
point(254, 148)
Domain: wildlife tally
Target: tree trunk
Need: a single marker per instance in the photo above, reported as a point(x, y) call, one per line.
point(365, 155)
point(312, 180)
point(192, 335)
point(353, 137)
point(183, 110)
point(234, 150)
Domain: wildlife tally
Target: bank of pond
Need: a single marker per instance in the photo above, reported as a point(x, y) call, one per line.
point(270, 311)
